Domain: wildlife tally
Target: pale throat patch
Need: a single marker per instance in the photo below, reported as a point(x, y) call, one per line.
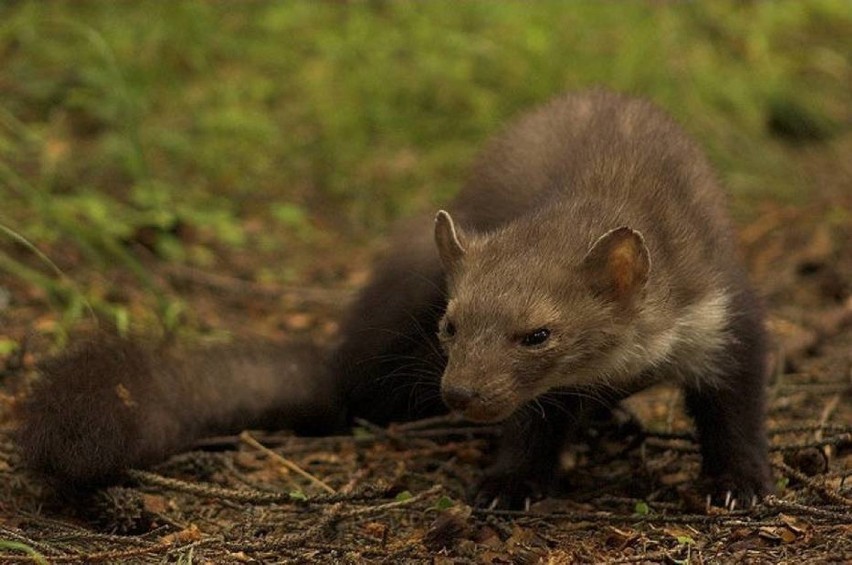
point(688, 350)
point(694, 341)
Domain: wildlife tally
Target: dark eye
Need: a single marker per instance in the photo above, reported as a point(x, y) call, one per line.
point(537, 337)
point(449, 329)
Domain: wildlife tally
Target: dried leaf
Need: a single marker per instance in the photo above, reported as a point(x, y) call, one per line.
point(187, 535)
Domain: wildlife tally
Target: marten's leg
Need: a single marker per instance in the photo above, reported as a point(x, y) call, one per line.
point(729, 413)
point(528, 453)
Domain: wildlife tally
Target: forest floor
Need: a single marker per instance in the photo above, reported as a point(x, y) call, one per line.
point(397, 494)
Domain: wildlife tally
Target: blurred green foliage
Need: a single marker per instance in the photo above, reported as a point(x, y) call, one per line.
point(338, 117)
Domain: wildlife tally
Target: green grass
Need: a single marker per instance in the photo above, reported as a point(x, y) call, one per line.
point(29, 552)
point(325, 120)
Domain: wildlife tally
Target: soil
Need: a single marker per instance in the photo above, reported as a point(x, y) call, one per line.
point(628, 493)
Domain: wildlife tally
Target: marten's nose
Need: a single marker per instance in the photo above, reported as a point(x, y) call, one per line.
point(458, 398)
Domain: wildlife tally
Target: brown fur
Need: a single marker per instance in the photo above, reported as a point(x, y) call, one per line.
point(110, 403)
point(594, 217)
point(598, 218)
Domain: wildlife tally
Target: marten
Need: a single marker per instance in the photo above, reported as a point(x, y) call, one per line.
point(587, 256)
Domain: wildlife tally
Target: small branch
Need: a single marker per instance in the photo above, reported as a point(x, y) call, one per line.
point(289, 540)
point(251, 495)
point(839, 441)
point(247, 438)
point(292, 442)
point(822, 490)
point(445, 420)
point(20, 538)
point(798, 508)
point(601, 518)
point(444, 432)
point(827, 411)
point(378, 509)
point(671, 445)
point(332, 515)
point(210, 491)
point(654, 556)
point(117, 556)
point(813, 427)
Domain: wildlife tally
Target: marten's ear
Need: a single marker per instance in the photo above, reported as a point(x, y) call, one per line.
point(449, 242)
point(618, 264)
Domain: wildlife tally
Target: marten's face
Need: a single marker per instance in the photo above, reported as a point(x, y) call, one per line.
point(521, 321)
point(508, 343)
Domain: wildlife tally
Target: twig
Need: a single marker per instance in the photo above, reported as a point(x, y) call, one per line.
point(684, 436)
point(813, 427)
point(668, 445)
point(665, 556)
point(250, 495)
point(440, 449)
point(357, 476)
point(799, 508)
point(246, 437)
point(444, 432)
point(44, 549)
point(392, 556)
point(112, 555)
point(445, 420)
point(211, 491)
point(601, 518)
point(829, 408)
point(332, 515)
point(839, 440)
point(73, 531)
point(228, 464)
point(378, 509)
point(299, 443)
point(289, 540)
point(822, 490)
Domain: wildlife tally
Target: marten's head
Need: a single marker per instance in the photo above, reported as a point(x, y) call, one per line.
point(525, 316)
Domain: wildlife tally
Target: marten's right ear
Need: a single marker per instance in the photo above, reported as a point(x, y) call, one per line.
point(618, 264)
point(449, 242)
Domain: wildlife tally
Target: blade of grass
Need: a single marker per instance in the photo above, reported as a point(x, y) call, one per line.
point(23, 548)
point(15, 236)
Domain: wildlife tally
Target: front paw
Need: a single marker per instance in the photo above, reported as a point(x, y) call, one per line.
point(737, 490)
point(508, 490)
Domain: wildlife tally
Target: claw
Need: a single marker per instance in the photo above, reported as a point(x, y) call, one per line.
point(733, 505)
point(527, 503)
point(708, 502)
point(494, 503)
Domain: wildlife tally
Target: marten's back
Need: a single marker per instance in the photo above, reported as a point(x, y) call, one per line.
point(609, 160)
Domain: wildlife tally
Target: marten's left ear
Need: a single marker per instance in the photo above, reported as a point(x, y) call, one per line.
point(618, 264)
point(449, 241)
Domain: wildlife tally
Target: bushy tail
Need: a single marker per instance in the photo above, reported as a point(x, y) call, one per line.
point(111, 404)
